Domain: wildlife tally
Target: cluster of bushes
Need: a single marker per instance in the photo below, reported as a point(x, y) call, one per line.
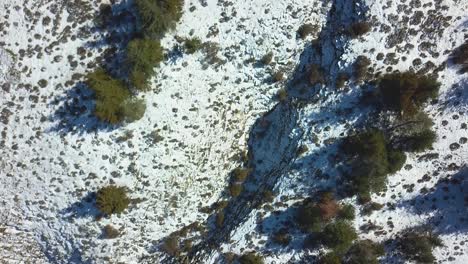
point(417, 246)
point(406, 92)
point(362, 251)
point(112, 200)
point(329, 221)
point(370, 159)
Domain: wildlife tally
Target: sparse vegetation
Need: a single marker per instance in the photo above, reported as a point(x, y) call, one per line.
point(316, 74)
point(282, 95)
point(143, 55)
point(112, 200)
point(110, 94)
point(235, 189)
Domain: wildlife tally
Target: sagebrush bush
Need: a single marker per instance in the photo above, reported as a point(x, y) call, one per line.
point(235, 189)
point(192, 45)
point(460, 57)
point(240, 174)
point(267, 58)
point(251, 258)
point(361, 66)
point(158, 16)
point(112, 200)
point(406, 92)
point(316, 74)
point(143, 55)
point(338, 235)
point(110, 232)
point(306, 30)
point(364, 251)
point(110, 94)
point(358, 29)
point(171, 246)
point(418, 246)
point(133, 109)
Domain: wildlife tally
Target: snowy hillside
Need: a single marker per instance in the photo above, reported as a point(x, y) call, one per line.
point(207, 113)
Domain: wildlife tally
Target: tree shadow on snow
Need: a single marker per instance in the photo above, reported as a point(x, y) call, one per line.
point(84, 208)
point(447, 202)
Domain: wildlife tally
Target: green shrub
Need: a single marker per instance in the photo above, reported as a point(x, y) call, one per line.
point(347, 212)
point(171, 245)
point(110, 94)
point(251, 258)
point(371, 207)
point(330, 258)
point(282, 95)
point(133, 109)
point(110, 232)
point(418, 246)
point(364, 251)
point(338, 235)
point(420, 141)
point(240, 174)
point(235, 189)
point(220, 219)
point(312, 216)
point(407, 92)
point(267, 58)
point(193, 45)
point(143, 55)
point(369, 167)
point(309, 217)
point(396, 160)
point(112, 200)
point(316, 74)
point(358, 29)
point(158, 16)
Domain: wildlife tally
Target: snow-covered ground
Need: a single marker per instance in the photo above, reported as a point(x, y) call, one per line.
point(53, 153)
